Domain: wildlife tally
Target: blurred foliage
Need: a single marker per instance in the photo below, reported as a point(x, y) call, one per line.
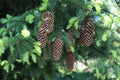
point(21, 58)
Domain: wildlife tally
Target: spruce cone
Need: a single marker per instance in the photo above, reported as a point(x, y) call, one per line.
point(57, 49)
point(46, 27)
point(86, 32)
point(42, 38)
point(71, 36)
point(70, 61)
point(48, 22)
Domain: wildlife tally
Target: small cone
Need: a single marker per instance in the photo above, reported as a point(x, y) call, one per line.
point(57, 49)
point(70, 61)
point(71, 36)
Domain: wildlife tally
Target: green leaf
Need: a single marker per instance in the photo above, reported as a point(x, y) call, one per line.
point(9, 17)
point(71, 22)
point(98, 8)
point(103, 77)
point(12, 66)
point(117, 21)
point(2, 49)
point(97, 73)
point(45, 0)
point(29, 18)
point(16, 74)
point(72, 49)
point(69, 26)
point(98, 43)
point(116, 44)
point(98, 2)
point(107, 20)
point(44, 5)
point(76, 25)
point(6, 68)
point(89, 6)
point(25, 33)
point(2, 30)
point(114, 53)
point(104, 37)
point(4, 21)
point(26, 58)
point(1, 43)
point(108, 32)
point(5, 40)
point(4, 62)
point(37, 43)
point(19, 61)
point(34, 58)
point(5, 65)
point(37, 50)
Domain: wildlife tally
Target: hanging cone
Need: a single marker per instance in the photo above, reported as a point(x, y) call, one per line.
point(45, 28)
point(71, 36)
point(87, 33)
point(70, 61)
point(48, 22)
point(57, 49)
point(42, 38)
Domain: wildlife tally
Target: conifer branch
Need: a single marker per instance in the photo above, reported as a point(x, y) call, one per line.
point(111, 13)
point(118, 3)
point(99, 51)
point(75, 3)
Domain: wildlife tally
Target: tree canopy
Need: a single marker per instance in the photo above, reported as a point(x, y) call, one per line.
point(33, 31)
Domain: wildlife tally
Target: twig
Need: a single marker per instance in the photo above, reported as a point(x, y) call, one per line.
point(117, 3)
point(99, 51)
point(111, 13)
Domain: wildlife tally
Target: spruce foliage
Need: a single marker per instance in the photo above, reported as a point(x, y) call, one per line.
point(52, 38)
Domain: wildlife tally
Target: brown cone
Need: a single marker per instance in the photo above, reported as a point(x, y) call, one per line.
point(45, 28)
point(42, 38)
point(48, 21)
point(70, 61)
point(71, 36)
point(86, 33)
point(57, 49)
